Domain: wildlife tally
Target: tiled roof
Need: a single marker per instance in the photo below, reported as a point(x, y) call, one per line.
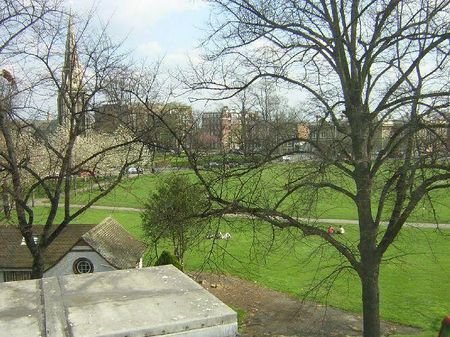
point(108, 238)
point(15, 255)
point(113, 242)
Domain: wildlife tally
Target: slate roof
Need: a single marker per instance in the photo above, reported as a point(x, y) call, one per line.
point(114, 244)
point(15, 255)
point(108, 238)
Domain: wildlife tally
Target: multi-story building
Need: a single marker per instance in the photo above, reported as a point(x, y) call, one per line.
point(432, 136)
point(224, 130)
point(231, 130)
point(210, 132)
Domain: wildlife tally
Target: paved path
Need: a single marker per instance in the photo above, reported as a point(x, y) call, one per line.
point(321, 220)
point(355, 222)
point(111, 208)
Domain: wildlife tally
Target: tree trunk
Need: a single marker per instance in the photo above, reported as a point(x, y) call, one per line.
point(6, 201)
point(371, 301)
point(37, 270)
point(370, 266)
point(370, 262)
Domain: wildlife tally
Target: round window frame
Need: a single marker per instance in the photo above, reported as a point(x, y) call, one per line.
point(75, 268)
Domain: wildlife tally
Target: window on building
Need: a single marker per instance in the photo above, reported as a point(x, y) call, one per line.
point(82, 266)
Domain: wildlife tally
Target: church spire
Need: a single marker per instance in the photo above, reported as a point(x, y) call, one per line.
point(72, 69)
point(71, 97)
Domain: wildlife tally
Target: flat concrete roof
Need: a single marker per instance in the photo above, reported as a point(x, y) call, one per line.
point(157, 301)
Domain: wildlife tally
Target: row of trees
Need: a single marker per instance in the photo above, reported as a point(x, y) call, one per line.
point(356, 64)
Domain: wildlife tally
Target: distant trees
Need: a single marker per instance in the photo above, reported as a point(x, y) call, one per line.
point(173, 215)
point(358, 65)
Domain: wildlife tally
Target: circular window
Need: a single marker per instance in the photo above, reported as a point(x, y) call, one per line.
point(82, 266)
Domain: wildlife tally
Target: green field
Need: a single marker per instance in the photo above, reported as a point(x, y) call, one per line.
point(133, 192)
point(130, 220)
point(413, 281)
point(413, 284)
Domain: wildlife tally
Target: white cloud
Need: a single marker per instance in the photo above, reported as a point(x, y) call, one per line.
point(151, 48)
point(153, 29)
point(177, 58)
point(144, 13)
point(183, 58)
point(138, 13)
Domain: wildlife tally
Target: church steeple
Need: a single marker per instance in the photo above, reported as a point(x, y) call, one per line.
point(72, 71)
point(71, 95)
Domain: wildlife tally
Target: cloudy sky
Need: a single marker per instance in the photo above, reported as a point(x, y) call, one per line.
point(153, 28)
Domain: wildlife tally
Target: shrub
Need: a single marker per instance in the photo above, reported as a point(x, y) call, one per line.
point(173, 214)
point(168, 258)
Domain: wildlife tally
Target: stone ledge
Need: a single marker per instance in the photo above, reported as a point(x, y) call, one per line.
point(158, 301)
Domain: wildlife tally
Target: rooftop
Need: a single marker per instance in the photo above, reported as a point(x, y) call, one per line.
point(157, 301)
point(115, 244)
point(14, 254)
point(108, 238)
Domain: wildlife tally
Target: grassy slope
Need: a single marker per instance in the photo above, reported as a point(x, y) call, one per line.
point(413, 289)
point(413, 286)
point(129, 220)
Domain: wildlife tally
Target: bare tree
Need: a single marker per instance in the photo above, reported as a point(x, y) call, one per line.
point(18, 16)
point(68, 66)
point(359, 66)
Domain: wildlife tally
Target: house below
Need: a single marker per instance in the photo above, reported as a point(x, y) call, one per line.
point(78, 249)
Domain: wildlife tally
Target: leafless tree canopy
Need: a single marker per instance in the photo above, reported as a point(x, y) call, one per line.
point(373, 76)
point(18, 16)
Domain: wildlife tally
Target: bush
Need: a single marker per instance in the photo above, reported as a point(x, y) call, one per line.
point(173, 215)
point(167, 258)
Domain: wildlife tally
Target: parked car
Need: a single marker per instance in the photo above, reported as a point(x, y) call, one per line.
point(286, 158)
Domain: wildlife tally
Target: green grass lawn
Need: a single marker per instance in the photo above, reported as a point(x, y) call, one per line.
point(413, 286)
point(134, 192)
point(413, 283)
point(129, 220)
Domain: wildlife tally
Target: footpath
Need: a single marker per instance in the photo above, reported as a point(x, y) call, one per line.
point(39, 202)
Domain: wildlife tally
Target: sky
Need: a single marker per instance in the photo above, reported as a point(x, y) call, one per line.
point(153, 28)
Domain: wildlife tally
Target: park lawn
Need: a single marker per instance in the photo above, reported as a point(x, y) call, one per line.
point(131, 221)
point(134, 192)
point(413, 285)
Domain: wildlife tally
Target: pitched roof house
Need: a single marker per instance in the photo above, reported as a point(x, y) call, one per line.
point(78, 249)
